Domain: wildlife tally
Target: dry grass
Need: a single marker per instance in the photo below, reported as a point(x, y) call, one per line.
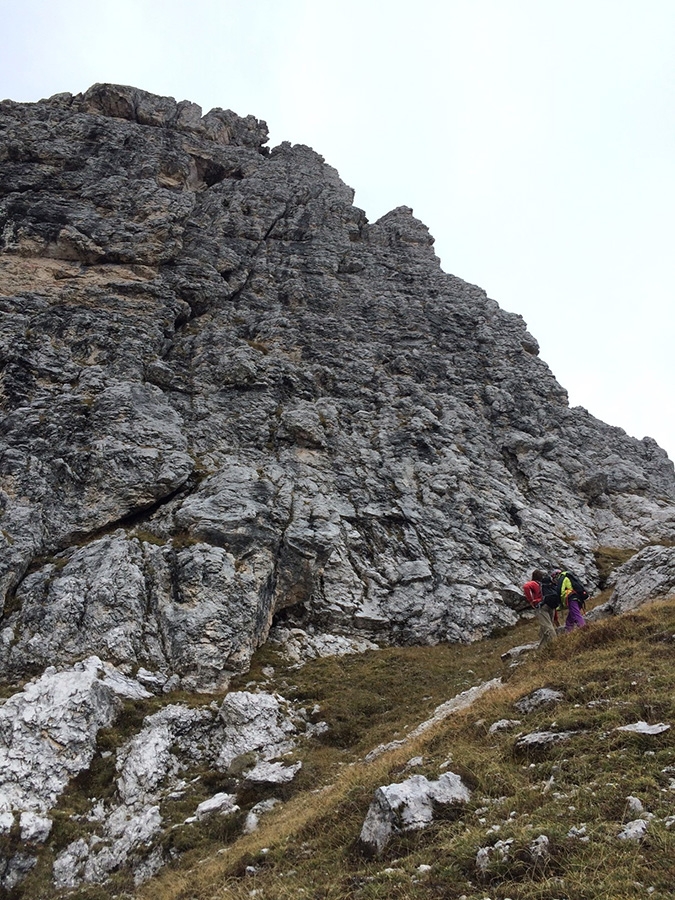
point(613, 673)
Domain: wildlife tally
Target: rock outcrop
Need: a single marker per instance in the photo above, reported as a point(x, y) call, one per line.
point(229, 401)
point(649, 575)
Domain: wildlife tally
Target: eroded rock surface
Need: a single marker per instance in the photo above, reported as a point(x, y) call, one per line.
point(229, 399)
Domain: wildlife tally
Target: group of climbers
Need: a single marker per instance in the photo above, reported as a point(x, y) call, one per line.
point(549, 593)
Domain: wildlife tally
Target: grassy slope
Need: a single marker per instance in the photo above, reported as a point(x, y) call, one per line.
point(308, 847)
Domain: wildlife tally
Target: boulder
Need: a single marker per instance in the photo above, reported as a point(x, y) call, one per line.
point(409, 806)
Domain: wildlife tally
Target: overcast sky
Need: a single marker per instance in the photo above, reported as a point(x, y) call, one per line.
point(535, 138)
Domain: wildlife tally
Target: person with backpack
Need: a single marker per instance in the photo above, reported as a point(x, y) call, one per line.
point(542, 610)
point(573, 595)
point(550, 598)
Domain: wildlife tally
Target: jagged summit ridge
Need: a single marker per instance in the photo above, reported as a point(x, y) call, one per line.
point(231, 401)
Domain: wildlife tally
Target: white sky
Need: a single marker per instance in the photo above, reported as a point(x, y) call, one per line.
point(535, 138)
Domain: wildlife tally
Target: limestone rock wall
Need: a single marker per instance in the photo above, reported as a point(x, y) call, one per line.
point(228, 399)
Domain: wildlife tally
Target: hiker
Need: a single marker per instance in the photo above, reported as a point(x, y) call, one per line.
point(573, 595)
point(542, 611)
point(551, 598)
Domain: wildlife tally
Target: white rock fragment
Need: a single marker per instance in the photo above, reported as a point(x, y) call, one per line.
point(484, 856)
point(503, 725)
point(643, 728)
point(539, 850)
point(634, 831)
point(253, 817)
point(408, 806)
point(34, 827)
point(541, 740)
point(516, 652)
point(223, 804)
point(635, 806)
point(273, 773)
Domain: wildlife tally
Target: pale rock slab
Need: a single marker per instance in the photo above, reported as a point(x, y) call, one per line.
point(644, 728)
point(273, 773)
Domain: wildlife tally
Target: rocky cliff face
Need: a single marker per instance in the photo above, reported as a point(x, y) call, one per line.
point(229, 401)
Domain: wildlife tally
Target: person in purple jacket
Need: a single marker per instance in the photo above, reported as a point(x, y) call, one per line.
point(573, 595)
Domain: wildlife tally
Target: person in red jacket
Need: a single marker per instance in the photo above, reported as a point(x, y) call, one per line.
point(543, 613)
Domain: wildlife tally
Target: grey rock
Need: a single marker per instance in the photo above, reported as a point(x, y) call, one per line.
point(539, 698)
point(503, 725)
point(246, 405)
point(634, 831)
point(14, 869)
point(255, 724)
point(649, 575)
point(149, 766)
point(538, 742)
point(635, 806)
point(299, 645)
point(126, 600)
point(69, 864)
point(34, 827)
point(539, 850)
point(231, 406)
point(409, 806)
